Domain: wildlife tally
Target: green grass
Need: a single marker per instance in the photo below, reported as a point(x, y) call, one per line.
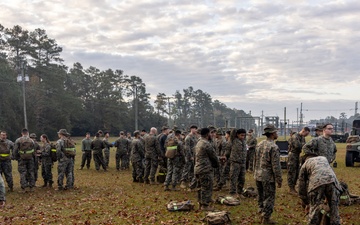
point(112, 198)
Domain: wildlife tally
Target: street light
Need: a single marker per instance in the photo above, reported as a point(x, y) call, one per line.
point(23, 77)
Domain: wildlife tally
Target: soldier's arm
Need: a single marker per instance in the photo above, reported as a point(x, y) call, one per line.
point(187, 149)
point(228, 149)
point(157, 148)
point(59, 152)
point(303, 181)
point(212, 156)
point(83, 145)
point(275, 158)
point(16, 150)
point(47, 150)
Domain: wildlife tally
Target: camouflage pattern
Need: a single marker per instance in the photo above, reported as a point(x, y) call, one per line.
point(236, 153)
point(251, 144)
point(86, 152)
point(152, 154)
point(189, 151)
point(162, 140)
point(267, 171)
point(321, 146)
point(122, 153)
point(46, 163)
point(296, 142)
point(137, 155)
point(219, 148)
point(97, 147)
point(108, 145)
point(205, 188)
point(225, 166)
point(5, 163)
point(2, 189)
point(37, 159)
point(25, 166)
point(65, 165)
point(175, 166)
point(317, 181)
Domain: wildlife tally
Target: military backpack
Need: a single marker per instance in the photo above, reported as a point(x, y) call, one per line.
point(53, 152)
point(4, 150)
point(69, 146)
point(174, 206)
point(26, 150)
point(217, 218)
point(171, 147)
point(228, 200)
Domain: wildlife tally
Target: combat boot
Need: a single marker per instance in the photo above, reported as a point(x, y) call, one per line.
point(45, 184)
point(292, 191)
point(267, 221)
point(183, 185)
point(147, 181)
point(11, 189)
point(141, 180)
point(166, 188)
point(50, 183)
point(174, 188)
point(206, 208)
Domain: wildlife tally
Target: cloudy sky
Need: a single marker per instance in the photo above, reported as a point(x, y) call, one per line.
point(252, 55)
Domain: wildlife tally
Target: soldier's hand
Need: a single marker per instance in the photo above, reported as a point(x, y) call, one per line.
point(307, 209)
point(279, 185)
point(2, 204)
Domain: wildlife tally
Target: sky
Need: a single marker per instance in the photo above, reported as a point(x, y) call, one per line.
point(259, 56)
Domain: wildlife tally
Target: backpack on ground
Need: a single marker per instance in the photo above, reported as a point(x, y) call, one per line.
point(26, 150)
point(160, 178)
point(69, 145)
point(228, 200)
point(217, 218)
point(250, 192)
point(174, 206)
point(53, 152)
point(345, 195)
point(171, 147)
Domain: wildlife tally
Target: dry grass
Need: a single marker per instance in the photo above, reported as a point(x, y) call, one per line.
point(111, 198)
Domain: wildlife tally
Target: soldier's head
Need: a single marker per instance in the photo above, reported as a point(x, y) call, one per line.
point(250, 133)
point(87, 135)
point(106, 134)
point(33, 136)
point(328, 129)
point(178, 134)
point(143, 132)
point(165, 130)
point(153, 131)
point(305, 131)
point(100, 133)
point(219, 133)
point(319, 130)
point(205, 133)
point(241, 134)
point(193, 129)
point(227, 135)
point(44, 138)
point(270, 131)
point(122, 133)
point(137, 134)
point(25, 132)
point(3, 135)
point(63, 133)
point(212, 131)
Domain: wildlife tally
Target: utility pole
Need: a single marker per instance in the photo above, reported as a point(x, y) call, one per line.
point(262, 121)
point(297, 119)
point(23, 77)
point(135, 105)
point(285, 122)
point(301, 116)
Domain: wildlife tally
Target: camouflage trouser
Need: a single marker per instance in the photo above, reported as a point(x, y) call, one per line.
point(2, 189)
point(317, 196)
point(99, 160)
point(46, 172)
point(237, 177)
point(205, 187)
point(224, 174)
point(174, 168)
point(6, 169)
point(151, 166)
point(65, 168)
point(36, 167)
point(86, 158)
point(266, 197)
point(293, 169)
point(107, 156)
point(26, 170)
point(250, 159)
point(124, 163)
point(217, 176)
point(188, 171)
point(137, 170)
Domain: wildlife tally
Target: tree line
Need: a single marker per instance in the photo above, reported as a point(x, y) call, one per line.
point(87, 99)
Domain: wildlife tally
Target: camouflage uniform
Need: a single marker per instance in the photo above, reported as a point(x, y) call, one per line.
point(236, 154)
point(225, 168)
point(97, 147)
point(37, 159)
point(122, 153)
point(317, 181)
point(321, 146)
point(296, 142)
point(189, 151)
point(107, 151)
point(251, 144)
point(220, 146)
point(86, 152)
point(137, 156)
point(25, 166)
point(175, 166)
point(65, 165)
point(267, 171)
point(205, 161)
point(2, 189)
point(46, 164)
point(162, 140)
point(5, 162)
point(152, 154)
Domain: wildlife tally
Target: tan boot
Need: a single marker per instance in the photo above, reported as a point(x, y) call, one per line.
point(293, 191)
point(267, 221)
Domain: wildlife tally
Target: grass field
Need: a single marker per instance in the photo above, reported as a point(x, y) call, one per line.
point(112, 198)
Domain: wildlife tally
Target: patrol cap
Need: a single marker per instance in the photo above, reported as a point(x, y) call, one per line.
point(193, 127)
point(269, 129)
point(164, 128)
point(219, 132)
point(319, 127)
point(136, 132)
point(63, 132)
point(100, 132)
point(32, 135)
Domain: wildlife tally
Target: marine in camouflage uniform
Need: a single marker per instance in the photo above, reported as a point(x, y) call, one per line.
point(175, 165)
point(46, 161)
point(220, 147)
point(37, 156)
point(2, 192)
point(97, 146)
point(122, 145)
point(108, 145)
point(6, 155)
point(65, 162)
point(317, 181)
point(322, 145)
point(296, 142)
point(152, 155)
point(25, 159)
point(251, 143)
point(162, 140)
point(86, 151)
point(137, 156)
point(189, 151)
point(236, 154)
point(267, 172)
point(205, 161)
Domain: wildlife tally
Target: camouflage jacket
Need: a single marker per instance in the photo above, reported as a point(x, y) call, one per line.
point(190, 143)
point(321, 146)
point(152, 147)
point(267, 162)
point(251, 143)
point(107, 144)
point(9, 149)
point(220, 146)
point(205, 157)
point(315, 172)
point(97, 145)
point(17, 146)
point(122, 145)
point(86, 144)
point(60, 149)
point(296, 142)
point(137, 150)
point(236, 151)
point(46, 153)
